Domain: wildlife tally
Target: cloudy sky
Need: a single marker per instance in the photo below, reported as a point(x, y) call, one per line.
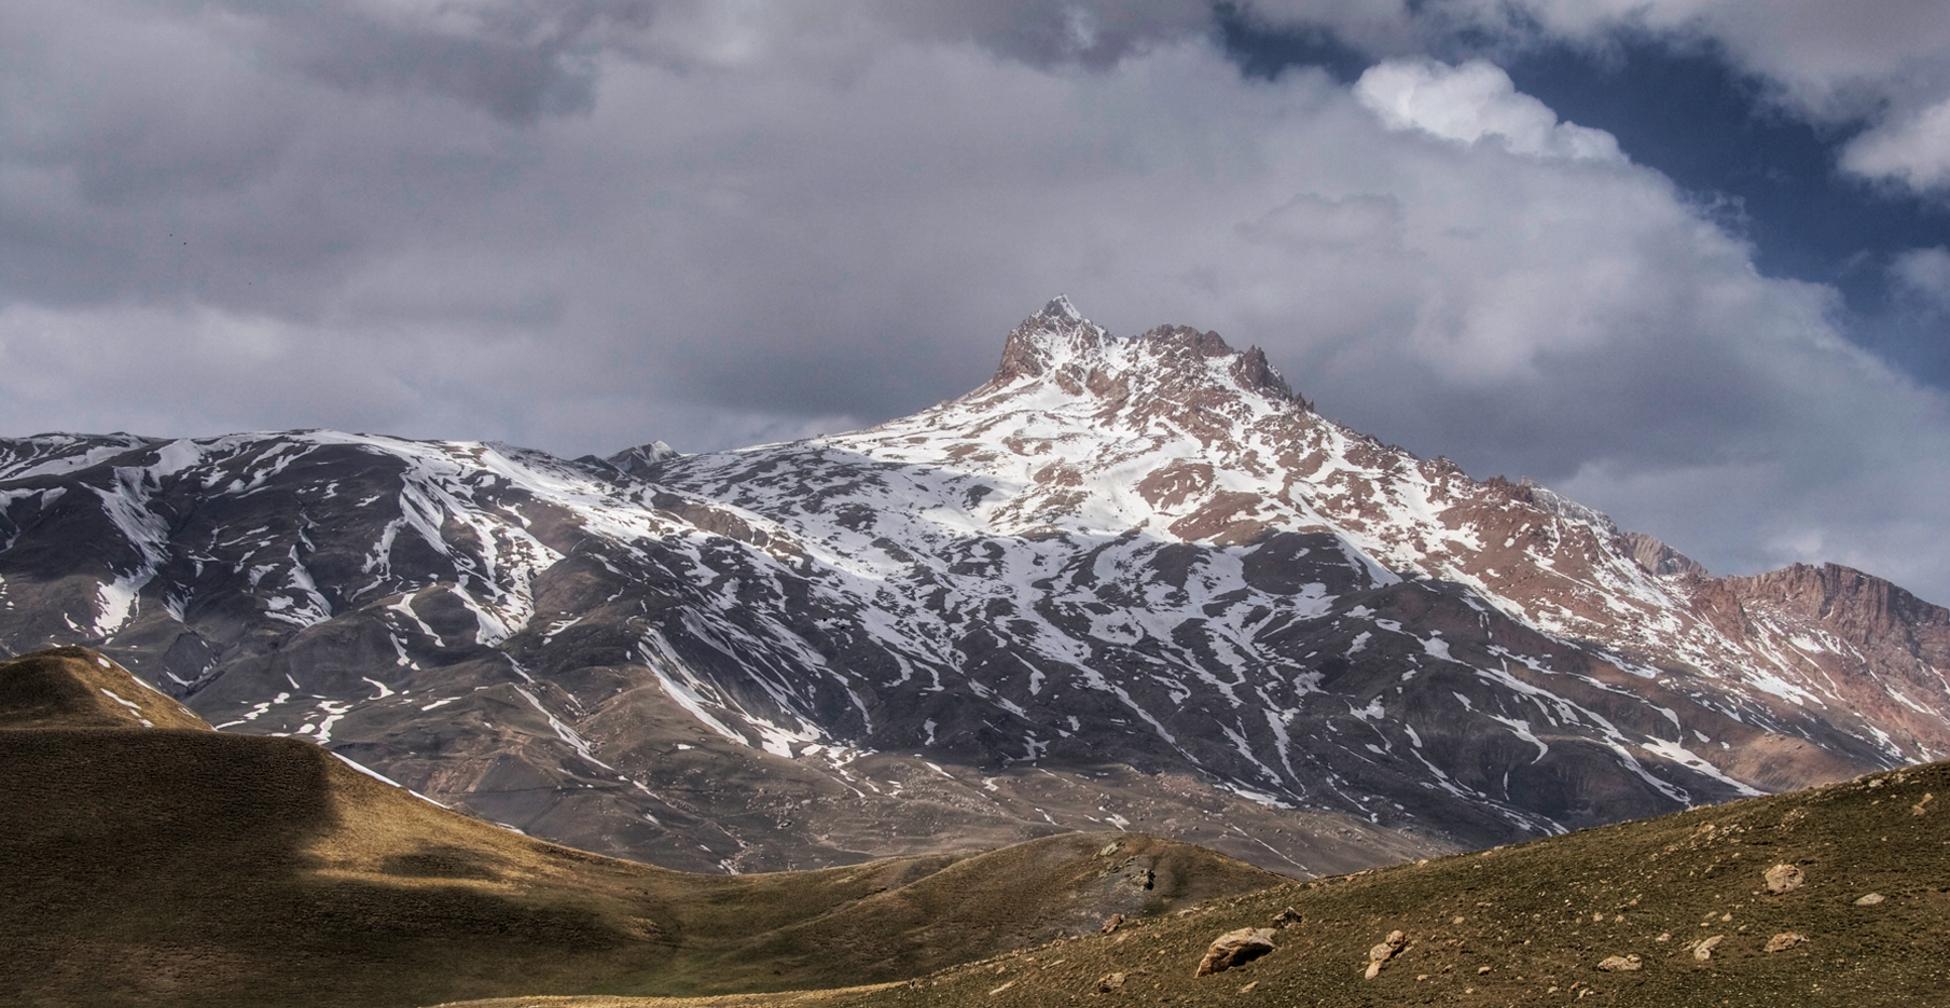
point(1686, 260)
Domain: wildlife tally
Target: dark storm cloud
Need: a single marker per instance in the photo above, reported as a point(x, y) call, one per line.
point(516, 81)
point(516, 59)
point(586, 225)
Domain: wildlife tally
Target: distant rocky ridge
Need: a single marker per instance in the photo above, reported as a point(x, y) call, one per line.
point(1127, 583)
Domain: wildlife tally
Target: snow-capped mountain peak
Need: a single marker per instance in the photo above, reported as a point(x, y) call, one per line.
point(1129, 581)
point(1059, 345)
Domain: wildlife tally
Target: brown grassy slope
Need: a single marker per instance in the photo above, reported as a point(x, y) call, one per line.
point(1541, 916)
point(183, 867)
point(71, 687)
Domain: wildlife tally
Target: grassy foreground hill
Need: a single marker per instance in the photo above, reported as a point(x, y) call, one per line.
point(1868, 924)
point(73, 687)
point(148, 860)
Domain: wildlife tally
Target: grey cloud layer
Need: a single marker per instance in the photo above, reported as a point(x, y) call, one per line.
point(588, 225)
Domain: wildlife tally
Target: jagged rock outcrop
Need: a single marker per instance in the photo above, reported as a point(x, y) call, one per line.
point(1656, 557)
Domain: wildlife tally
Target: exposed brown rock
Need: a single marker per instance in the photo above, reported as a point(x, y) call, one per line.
point(1703, 950)
point(1621, 964)
point(1111, 923)
point(1110, 982)
point(1387, 949)
point(1252, 371)
point(1657, 557)
point(1784, 878)
point(1784, 941)
point(1235, 948)
point(1172, 485)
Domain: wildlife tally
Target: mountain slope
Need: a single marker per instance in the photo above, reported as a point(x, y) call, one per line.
point(192, 867)
point(1531, 924)
point(1126, 583)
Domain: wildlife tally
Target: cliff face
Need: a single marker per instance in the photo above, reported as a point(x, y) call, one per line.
point(1882, 650)
point(1862, 608)
point(1657, 557)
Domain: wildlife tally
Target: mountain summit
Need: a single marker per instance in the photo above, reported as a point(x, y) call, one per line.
point(1126, 583)
point(1059, 342)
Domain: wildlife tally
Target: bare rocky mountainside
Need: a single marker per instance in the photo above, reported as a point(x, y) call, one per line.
point(1129, 583)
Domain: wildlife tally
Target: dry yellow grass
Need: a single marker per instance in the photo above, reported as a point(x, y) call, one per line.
point(1529, 925)
point(73, 687)
point(190, 867)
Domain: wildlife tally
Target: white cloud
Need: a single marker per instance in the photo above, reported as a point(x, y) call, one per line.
point(1886, 64)
point(1471, 102)
point(1913, 150)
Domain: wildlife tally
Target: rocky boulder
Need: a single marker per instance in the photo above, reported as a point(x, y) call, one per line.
point(1784, 878)
point(1235, 948)
point(1385, 950)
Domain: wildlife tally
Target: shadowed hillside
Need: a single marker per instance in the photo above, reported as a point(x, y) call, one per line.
point(73, 687)
point(1859, 920)
point(184, 866)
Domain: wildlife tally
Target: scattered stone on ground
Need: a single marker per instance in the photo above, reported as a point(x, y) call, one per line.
point(1784, 878)
point(1784, 941)
point(1869, 899)
point(1922, 805)
point(1248, 988)
point(1287, 918)
point(1389, 947)
point(1704, 949)
point(1110, 982)
point(1235, 948)
point(1620, 963)
point(1111, 923)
